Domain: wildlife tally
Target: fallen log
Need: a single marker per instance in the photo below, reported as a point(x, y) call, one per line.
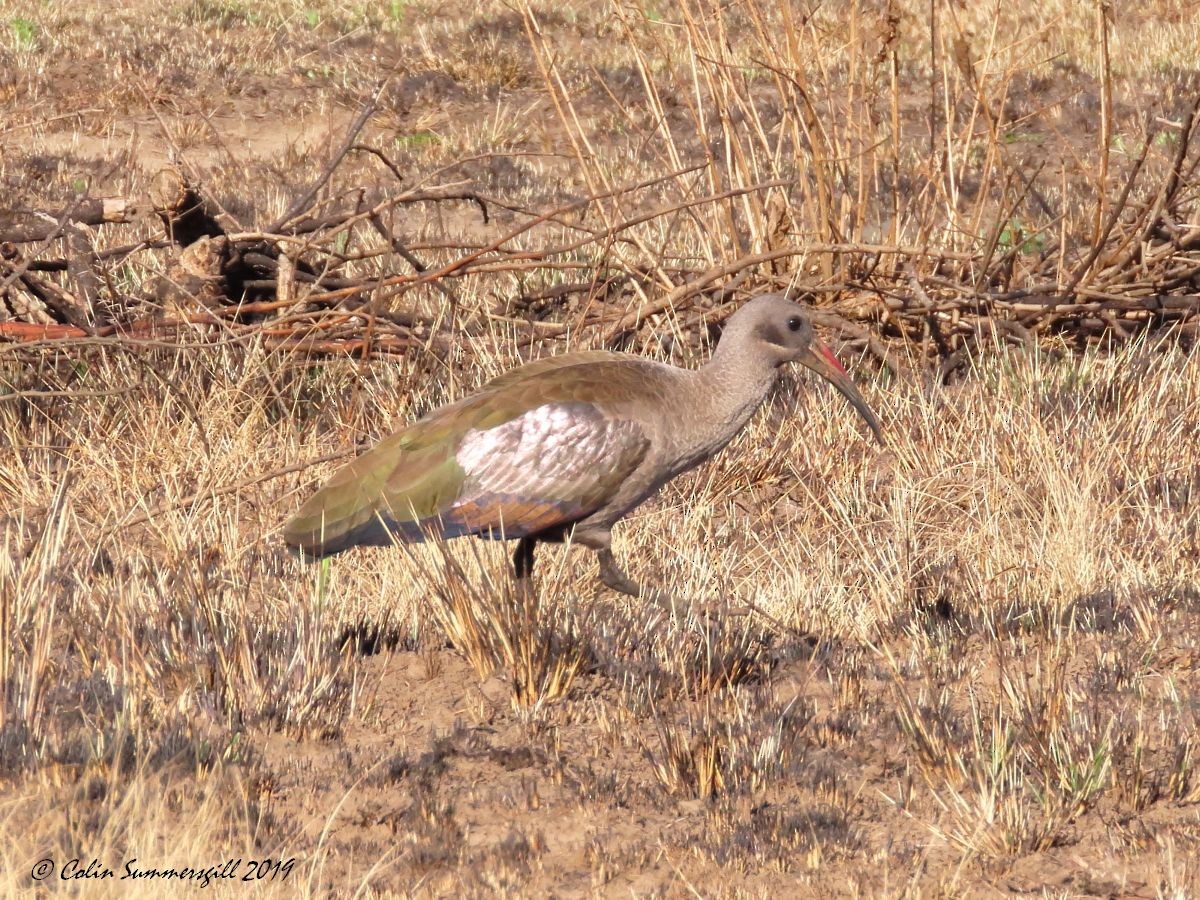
point(25, 226)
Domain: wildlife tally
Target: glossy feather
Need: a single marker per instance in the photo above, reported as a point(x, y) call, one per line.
point(537, 459)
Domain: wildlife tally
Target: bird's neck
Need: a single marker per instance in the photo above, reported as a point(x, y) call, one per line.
point(724, 394)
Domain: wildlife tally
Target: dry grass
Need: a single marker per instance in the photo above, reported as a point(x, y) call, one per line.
point(1000, 689)
point(1005, 604)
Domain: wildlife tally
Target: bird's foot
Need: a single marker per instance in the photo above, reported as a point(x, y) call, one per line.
point(708, 613)
point(708, 617)
point(718, 610)
point(614, 577)
point(524, 590)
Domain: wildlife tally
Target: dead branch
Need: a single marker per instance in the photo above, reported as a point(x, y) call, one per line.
point(327, 279)
point(81, 267)
point(27, 226)
point(356, 127)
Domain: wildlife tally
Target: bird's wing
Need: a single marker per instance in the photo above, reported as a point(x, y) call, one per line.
point(344, 512)
point(546, 468)
point(500, 465)
point(549, 363)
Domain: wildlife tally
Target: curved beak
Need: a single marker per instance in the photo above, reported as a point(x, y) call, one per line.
point(821, 360)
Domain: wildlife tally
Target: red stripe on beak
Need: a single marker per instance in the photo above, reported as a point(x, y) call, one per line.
point(829, 357)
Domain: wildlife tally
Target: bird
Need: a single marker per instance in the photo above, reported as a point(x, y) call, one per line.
point(564, 447)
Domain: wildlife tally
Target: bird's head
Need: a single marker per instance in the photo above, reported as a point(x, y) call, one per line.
point(782, 332)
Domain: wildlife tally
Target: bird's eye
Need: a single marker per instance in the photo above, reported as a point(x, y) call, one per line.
point(794, 323)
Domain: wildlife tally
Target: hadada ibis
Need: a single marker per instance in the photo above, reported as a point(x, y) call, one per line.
point(564, 446)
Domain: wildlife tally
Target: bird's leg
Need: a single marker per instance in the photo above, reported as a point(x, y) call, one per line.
point(523, 563)
point(522, 559)
point(612, 575)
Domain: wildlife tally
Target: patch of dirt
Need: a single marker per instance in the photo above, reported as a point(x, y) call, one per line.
point(456, 788)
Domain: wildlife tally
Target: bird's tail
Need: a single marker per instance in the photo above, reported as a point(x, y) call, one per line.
point(348, 512)
point(398, 491)
point(378, 531)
